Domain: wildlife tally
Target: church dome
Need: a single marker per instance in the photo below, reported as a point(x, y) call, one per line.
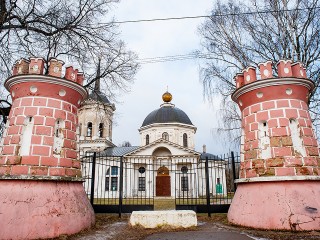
point(167, 113)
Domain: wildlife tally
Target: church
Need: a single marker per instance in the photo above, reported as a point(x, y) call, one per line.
point(165, 164)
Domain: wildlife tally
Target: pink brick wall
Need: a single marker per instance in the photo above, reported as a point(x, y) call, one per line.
point(285, 160)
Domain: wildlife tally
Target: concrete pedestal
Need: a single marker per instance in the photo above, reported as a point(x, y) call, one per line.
point(171, 218)
point(43, 209)
point(285, 205)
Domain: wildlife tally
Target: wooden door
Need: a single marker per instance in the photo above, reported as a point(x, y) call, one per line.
point(163, 185)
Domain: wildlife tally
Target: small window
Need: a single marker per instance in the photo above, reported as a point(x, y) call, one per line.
point(114, 170)
point(89, 129)
point(101, 130)
point(147, 139)
point(142, 170)
point(184, 169)
point(114, 184)
point(107, 187)
point(142, 184)
point(184, 184)
point(165, 136)
point(185, 140)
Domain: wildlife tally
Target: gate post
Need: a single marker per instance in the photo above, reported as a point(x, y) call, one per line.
point(121, 187)
point(233, 171)
point(93, 177)
point(207, 186)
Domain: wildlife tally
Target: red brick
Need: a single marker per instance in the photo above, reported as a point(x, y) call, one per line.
point(283, 122)
point(43, 130)
point(276, 113)
point(282, 103)
point(66, 106)
point(49, 161)
point(68, 125)
point(255, 108)
point(293, 162)
point(312, 151)
point(36, 140)
point(304, 106)
point(30, 111)
point(26, 102)
point(246, 164)
point(41, 150)
point(16, 103)
point(38, 120)
point(14, 130)
point(71, 117)
point(5, 170)
point(19, 170)
point(307, 132)
point(307, 141)
point(250, 119)
point(254, 126)
point(40, 102)
point(57, 171)
point(18, 111)
point(242, 174)
point(48, 112)
point(309, 123)
point(258, 163)
point(7, 140)
point(73, 172)
point(245, 112)
point(251, 173)
point(64, 162)
point(268, 105)
point(275, 162)
point(304, 171)
point(8, 150)
point(60, 114)
point(262, 116)
point(71, 153)
point(304, 114)
point(67, 143)
point(76, 164)
point(50, 121)
point(71, 135)
point(284, 171)
point(302, 122)
point(13, 160)
point(291, 113)
point(251, 154)
point(295, 103)
point(20, 120)
point(272, 123)
point(310, 161)
point(73, 109)
point(39, 171)
point(48, 141)
point(250, 136)
point(54, 103)
point(30, 160)
point(277, 132)
point(282, 151)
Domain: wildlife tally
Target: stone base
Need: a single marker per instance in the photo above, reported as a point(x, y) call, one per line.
point(43, 209)
point(285, 205)
point(172, 218)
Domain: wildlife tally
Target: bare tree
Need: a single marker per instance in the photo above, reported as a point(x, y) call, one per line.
point(70, 30)
point(239, 35)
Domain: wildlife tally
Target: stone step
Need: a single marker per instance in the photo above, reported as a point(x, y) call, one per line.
point(164, 204)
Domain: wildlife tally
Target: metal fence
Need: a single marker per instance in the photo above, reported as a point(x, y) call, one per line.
point(120, 184)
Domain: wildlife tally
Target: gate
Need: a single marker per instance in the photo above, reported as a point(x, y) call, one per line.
point(120, 184)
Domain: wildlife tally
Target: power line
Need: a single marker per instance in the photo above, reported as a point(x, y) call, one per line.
point(211, 16)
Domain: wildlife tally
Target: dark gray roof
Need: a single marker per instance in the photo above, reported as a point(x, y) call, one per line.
point(98, 96)
point(118, 151)
point(167, 114)
point(210, 157)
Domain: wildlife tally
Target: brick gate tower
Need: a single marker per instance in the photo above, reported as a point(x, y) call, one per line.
point(279, 185)
point(41, 192)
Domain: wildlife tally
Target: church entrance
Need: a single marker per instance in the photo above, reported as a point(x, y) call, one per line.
point(163, 184)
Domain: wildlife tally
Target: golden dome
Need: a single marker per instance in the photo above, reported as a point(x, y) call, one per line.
point(167, 97)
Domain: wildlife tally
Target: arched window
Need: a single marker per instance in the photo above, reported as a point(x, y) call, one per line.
point(101, 125)
point(26, 136)
point(165, 136)
point(185, 140)
point(147, 139)
point(89, 129)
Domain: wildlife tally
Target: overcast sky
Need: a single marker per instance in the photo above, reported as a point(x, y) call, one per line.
point(165, 38)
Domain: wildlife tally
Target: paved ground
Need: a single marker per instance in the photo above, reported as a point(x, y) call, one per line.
point(111, 227)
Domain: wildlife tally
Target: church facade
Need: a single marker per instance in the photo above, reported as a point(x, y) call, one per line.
point(164, 165)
